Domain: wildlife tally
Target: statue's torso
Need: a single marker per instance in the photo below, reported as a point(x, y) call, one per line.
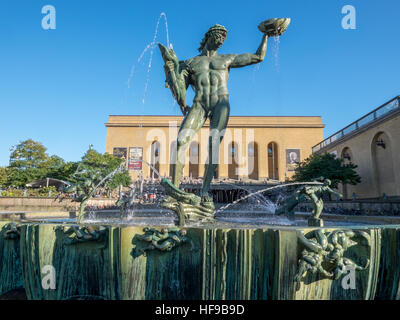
point(209, 77)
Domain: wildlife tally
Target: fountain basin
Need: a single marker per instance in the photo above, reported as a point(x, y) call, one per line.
point(208, 262)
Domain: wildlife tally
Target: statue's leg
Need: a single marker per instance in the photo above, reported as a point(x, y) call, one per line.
point(218, 123)
point(319, 208)
point(315, 220)
point(289, 205)
point(191, 124)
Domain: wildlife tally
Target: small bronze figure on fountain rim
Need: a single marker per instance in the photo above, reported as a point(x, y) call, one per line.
point(314, 194)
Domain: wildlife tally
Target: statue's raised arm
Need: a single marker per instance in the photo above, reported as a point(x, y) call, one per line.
point(176, 76)
point(271, 27)
point(246, 59)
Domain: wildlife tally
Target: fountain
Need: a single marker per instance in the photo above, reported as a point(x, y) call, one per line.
point(187, 248)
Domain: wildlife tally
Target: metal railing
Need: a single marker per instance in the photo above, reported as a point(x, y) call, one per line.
point(374, 115)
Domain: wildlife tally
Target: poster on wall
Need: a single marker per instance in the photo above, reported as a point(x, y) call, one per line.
point(292, 159)
point(135, 155)
point(120, 152)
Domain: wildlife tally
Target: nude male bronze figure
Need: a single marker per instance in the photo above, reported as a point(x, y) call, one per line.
point(208, 75)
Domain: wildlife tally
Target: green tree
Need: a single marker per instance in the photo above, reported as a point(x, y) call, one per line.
point(29, 154)
point(59, 169)
point(28, 161)
point(328, 166)
point(3, 176)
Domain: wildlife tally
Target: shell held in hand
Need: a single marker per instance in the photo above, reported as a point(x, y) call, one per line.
point(274, 27)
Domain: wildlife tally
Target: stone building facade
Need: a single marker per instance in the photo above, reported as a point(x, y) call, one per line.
point(373, 144)
point(256, 148)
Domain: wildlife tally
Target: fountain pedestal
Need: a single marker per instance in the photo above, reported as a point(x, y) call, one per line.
point(201, 263)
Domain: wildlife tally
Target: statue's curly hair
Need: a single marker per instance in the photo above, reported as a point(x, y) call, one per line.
point(214, 29)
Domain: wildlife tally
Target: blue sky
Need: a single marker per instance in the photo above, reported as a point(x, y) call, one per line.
point(59, 86)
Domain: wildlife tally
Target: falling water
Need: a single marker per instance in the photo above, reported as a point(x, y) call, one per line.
point(150, 47)
point(276, 52)
point(151, 166)
point(264, 190)
point(138, 60)
point(268, 204)
point(109, 176)
point(255, 71)
point(151, 54)
point(92, 217)
point(91, 213)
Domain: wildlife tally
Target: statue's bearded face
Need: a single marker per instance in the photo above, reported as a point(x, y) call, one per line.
point(215, 40)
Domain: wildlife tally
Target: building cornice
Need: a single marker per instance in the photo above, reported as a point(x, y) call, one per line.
point(234, 121)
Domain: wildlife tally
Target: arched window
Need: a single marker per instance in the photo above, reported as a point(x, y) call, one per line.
point(155, 158)
point(382, 159)
point(194, 160)
point(347, 157)
point(252, 151)
point(172, 157)
point(273, 161)
point(216, 173)
point(233, 167)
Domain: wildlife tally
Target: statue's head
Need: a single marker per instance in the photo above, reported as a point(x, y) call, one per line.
point(327, 182)
point(214, 37)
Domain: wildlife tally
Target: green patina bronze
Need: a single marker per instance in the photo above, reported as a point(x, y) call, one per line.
point(162, 240)
point(85, 188)
point(205, 263)
point(10, 263)
point(82, 268)
point(188, 206)
point(11, 231)
point(76, 234)
point(324, 253)
point(208, 74)
point(314, 194)
point(88, 180)
point(125, 201)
